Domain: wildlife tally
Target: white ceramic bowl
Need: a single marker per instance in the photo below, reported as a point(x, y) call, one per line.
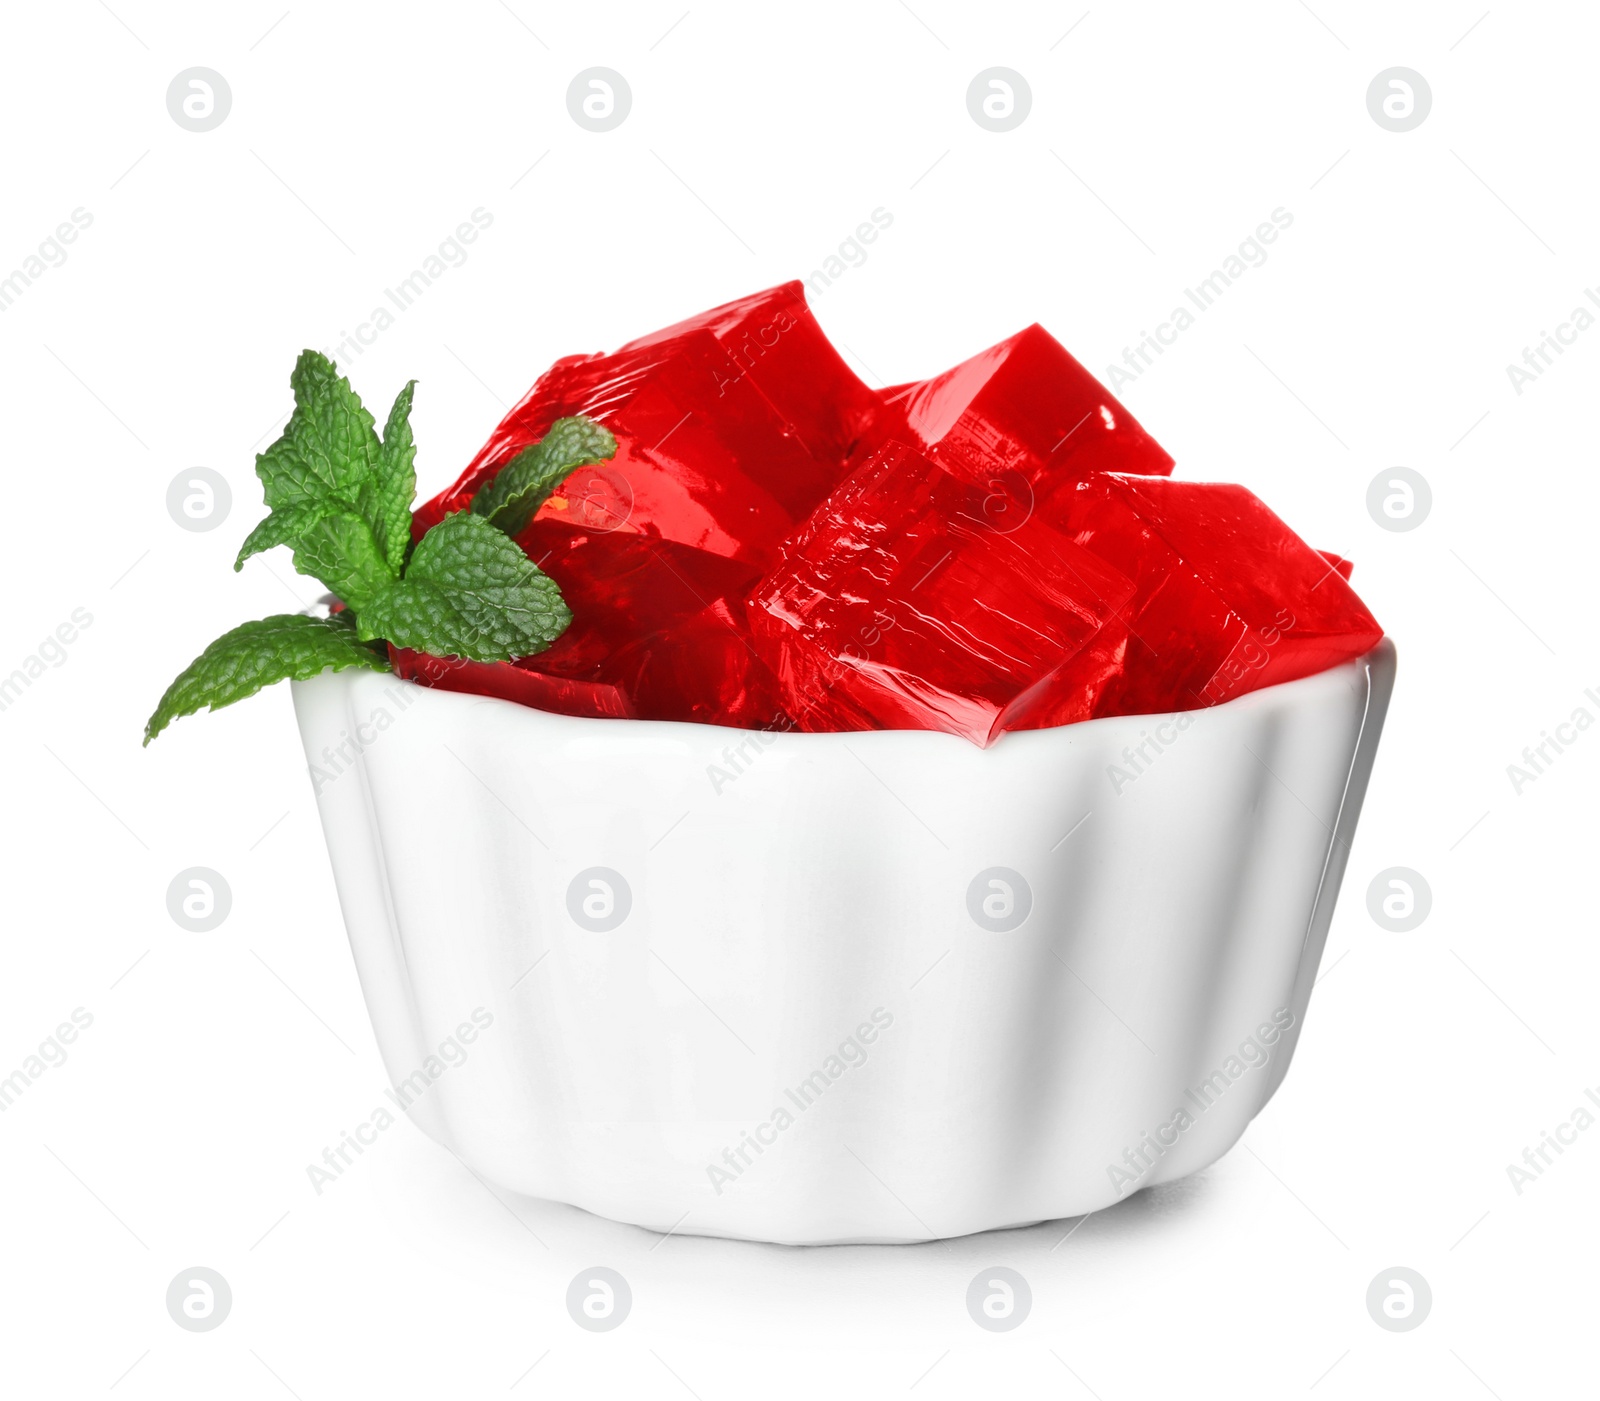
point(776, 986)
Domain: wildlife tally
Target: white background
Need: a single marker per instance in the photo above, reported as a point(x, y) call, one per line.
point(1378, 333)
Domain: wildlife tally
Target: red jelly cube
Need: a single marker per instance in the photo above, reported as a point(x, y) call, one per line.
point(706, 669)
point(562, 694)
point(730, 428)
point(623, 590)
point(622, 587)
point(774, 338)
point(1024, 416)
point(1228, 599)
point(898, 605)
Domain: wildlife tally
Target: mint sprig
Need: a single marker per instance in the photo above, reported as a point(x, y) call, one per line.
point(386, 499)
point(239, 663)
point(469, 591)
point(523, 484)
point(339, 497)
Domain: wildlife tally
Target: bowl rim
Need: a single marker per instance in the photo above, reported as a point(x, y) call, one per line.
point(1382, 657)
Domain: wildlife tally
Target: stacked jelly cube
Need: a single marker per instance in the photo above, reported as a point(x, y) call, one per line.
point(776, 546)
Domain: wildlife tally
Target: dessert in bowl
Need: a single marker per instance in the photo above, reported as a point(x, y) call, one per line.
point(767, 807)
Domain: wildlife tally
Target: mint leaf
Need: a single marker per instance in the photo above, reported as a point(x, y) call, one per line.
point(287, 647)
point(469, 591)
point(282, 527)
point(339, 549)
point(522, 485)
point(339, 498)
point(328, 449)
point(386, 500)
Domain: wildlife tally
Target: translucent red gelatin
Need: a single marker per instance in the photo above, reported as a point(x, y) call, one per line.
point(561, 694)
point(1227, 598)
point(774, 338)
point(730, 428)
point(708, 670)
point(774, 546)
point(643, 626)
point(899, 606)
point(1024, 410)
point(622, 588)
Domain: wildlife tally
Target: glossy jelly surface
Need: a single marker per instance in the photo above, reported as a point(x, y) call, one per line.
point(774, 545)
point(900, 602)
